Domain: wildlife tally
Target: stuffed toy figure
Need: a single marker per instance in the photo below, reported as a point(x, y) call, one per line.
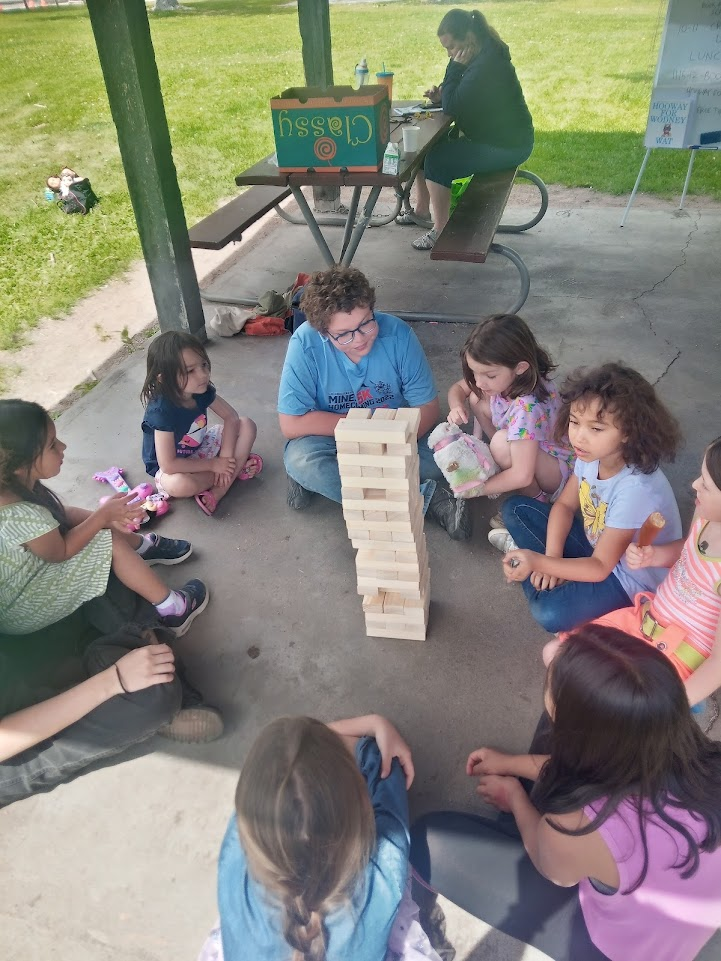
point(465, 460)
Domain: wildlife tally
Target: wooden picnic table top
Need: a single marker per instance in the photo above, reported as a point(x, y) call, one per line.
point(433, 127)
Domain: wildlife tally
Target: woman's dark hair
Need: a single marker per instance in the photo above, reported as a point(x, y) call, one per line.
point(713, 461)
point(506, 340)
point(338, 290)
point(23, 436)
point(457, 23)
point(622, 731)
point(165, 365)
point(652, 434)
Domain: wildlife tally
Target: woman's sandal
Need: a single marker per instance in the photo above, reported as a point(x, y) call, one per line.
point(409, 218)
point(208, 506)
point(426, 242)
point(256, 461)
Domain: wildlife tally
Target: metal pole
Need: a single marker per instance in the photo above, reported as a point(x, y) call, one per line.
point(688, 176)
point(635, 187)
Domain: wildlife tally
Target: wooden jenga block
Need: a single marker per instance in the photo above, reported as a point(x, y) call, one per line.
point(411, 415)
point(373, 432)
point(372, 585)
point(402, 463)
point(386, 413)
point(409, 633)
point(373, 604)
point(358, 413)
point(378, 483)
point(366, 471)
point(393, 603)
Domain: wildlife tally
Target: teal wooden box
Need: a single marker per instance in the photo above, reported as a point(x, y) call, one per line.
point(332, 129)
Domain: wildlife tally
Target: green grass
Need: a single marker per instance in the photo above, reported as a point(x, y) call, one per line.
point(586, 67)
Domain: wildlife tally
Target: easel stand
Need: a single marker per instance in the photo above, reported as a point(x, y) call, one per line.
point(686, 182)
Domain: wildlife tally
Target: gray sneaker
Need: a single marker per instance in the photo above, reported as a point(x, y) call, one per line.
point(502, 540)
point(194, 725)
point(298, 497)
point(451, 513)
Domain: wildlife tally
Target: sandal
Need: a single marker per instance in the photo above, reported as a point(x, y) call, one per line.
point(409, 218)
point(255, 460)
point(426, 242)
point(208, 506)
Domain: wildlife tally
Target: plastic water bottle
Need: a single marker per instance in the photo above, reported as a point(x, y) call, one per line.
point(361, 73)
point(391, 159)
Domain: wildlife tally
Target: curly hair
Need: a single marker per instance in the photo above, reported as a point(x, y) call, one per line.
point(507, 340)
point(338, 290)
point(651, 433)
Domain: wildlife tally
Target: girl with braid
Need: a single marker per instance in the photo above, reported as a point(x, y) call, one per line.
point(314, 864)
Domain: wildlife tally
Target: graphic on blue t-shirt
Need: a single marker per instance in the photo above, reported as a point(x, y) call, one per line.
point(194, 437)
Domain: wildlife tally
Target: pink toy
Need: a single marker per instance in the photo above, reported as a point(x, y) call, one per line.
point(465, 460)
point(114, 477)
point(144, 494)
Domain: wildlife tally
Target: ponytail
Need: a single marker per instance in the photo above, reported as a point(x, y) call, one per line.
point(457, 23)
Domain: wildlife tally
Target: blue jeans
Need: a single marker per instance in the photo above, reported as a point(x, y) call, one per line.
point(312, 461)
point(575, 602)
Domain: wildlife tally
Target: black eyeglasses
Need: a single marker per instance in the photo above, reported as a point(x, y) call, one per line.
point(348, 336)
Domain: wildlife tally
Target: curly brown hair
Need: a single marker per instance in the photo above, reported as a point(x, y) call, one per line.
point(507, 340)
point(652, 434)
point(338, 290)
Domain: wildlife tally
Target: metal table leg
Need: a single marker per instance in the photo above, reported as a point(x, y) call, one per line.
point(350, 219)
point(313, 226)
point(360, 227)
point(523, 271)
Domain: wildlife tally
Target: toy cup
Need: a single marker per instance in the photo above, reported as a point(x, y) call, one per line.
point(385, 79)
point(411, 137)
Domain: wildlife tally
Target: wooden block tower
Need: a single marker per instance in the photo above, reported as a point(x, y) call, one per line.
point(383, 510)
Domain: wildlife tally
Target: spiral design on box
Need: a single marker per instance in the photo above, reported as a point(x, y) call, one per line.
point(324, 148)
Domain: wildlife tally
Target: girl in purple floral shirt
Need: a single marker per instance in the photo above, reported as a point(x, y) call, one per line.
point(507, 388)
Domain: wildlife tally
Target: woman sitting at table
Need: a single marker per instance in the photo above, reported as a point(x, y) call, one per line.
point(493, 128)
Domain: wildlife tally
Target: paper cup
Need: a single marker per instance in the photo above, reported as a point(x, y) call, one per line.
point(411, 139)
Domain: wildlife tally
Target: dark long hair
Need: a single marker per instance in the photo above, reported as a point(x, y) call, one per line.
point(713, 461)
point(457, 23)
point(507, 340)
point(622, 731)
point(165, 369)
point(23, 436)
point(652, 432)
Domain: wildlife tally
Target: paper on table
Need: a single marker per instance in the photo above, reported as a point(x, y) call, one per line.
point(416, 108)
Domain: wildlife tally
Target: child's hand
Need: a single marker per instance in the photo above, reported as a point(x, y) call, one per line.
point(118, 512)
point(391, 745)
point(637, 557)
point(484, 760)
point(223, 468)
point(546, 582)
point(457, 416)
point(518, 564)
point(498, 791)
point(146, 666)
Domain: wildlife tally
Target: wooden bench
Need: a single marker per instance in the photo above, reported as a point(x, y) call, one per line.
point(469, 234)
point(229, 221)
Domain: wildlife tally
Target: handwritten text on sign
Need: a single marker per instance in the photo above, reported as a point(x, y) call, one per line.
point(357, 129)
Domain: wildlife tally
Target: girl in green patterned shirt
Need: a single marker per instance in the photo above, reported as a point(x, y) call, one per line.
point(54, 558)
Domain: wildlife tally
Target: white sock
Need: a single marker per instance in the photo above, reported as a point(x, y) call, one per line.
point(173, 604)
point(148, 540)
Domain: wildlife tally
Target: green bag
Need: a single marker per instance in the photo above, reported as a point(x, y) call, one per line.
point(458, 188)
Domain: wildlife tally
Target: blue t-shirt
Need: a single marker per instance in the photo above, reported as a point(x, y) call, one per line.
point(624, 501)
point(188, 424)
point(318, 376)
point(250, 919)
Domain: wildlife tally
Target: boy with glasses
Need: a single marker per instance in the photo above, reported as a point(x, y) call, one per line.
point(349, 355)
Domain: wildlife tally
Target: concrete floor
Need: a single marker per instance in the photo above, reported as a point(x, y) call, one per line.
point(120, 864)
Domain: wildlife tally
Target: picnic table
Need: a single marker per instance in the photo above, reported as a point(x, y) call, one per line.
point(433, 126)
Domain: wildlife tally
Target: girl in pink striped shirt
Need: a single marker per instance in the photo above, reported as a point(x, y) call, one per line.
point(683, 617)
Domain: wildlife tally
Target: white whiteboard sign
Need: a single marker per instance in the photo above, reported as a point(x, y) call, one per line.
point(690, 61)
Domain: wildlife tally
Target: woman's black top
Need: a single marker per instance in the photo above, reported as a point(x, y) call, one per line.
point(485, 98)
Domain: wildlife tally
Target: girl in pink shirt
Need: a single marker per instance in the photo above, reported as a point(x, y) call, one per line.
point(683, 618)
point(617, 853)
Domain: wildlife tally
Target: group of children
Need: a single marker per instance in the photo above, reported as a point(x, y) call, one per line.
point(314, 865)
